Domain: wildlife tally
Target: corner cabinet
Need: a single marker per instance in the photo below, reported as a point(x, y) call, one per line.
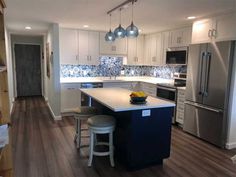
point(88, 47)
point(68, 46)
point(118, 47)
point(219, 28)
point(135, 51)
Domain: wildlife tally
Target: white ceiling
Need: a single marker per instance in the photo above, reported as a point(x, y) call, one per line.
point(149, 15)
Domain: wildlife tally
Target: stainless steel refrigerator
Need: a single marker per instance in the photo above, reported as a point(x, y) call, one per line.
point(207, 90)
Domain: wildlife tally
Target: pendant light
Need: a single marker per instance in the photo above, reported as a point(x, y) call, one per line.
point(110, 37)
point(132, 31)
point(120, 31)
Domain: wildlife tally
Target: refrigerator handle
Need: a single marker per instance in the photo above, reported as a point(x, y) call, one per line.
point(201, 66)
point(208, 67)
point(219, 111)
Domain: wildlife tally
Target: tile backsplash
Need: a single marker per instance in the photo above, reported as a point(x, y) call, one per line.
point(113, 66)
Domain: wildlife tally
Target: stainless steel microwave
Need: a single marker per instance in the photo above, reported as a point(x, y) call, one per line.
point(177, 56)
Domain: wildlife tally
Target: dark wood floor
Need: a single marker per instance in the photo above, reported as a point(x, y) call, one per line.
point(45, 148)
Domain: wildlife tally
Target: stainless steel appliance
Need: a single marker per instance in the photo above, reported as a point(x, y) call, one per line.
point(177, 55)
point(167, 92)
point(86, 100)
point(207, 91)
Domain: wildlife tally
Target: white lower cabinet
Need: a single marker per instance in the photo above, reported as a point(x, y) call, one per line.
point(149, 89)
point(70, 97)
point(180, 106)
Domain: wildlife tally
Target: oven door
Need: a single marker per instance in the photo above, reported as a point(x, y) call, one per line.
point(168, 94)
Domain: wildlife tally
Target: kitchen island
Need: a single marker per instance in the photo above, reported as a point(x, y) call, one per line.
point(143, 132)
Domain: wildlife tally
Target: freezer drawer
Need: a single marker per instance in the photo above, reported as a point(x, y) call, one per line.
point(204, 122)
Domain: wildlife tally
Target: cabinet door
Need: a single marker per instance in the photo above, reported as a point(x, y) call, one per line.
point(176, 38)
point(70, 97)
point(158, 60)
point(93, 48)
point(225, 27)
point(121, 46)
point(106, 47)
point(187, 36)
point(140, 50)
point(165, 44)
point(201, 31)
point(68, 46)
point(132, 51)
point(83, 47)
point(147, 50)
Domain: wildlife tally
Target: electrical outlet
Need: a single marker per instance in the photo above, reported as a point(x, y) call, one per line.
point(146, 113)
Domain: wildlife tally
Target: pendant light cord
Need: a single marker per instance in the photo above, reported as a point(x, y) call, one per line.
point(132, 11)
point(110, 22)
point(120, 16)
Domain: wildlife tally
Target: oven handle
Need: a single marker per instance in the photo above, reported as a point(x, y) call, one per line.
point(166, 88)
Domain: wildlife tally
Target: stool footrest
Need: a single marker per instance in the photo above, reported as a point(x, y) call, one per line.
point(101, 153)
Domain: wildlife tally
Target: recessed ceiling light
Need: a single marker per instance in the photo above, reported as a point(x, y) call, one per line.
point(85, 26)
point(28, 28)
point(191, 17)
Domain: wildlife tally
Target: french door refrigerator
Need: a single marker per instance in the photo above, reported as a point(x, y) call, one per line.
point(207, 90)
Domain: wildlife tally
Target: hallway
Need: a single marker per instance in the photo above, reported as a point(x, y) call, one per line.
point(43, 147)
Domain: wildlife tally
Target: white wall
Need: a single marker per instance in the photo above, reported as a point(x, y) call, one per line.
point(53, 87)
point(231, 141)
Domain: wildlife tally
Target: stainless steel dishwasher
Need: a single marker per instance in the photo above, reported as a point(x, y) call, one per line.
point(85, 99)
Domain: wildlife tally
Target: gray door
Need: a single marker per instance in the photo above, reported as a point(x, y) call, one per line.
point(195, 79)
point(204, 122)
point(28, 69)
point(217, 69)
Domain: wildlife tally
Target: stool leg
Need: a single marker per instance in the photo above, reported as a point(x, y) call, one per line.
point(111, 149)
point(76, 130)
point(78, 139)
point(91, 146)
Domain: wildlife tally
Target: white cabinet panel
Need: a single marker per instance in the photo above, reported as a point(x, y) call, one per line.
point(180, 37)
point(68, 46)
point(201, 31)
point(88, 47)
point(135, 50)
point(165, 44)
point(225, 27)
point(118, 47)
point(70, 97)
point(180, 106)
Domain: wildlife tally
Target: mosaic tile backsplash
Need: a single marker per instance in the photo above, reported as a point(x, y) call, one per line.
point(112, 66)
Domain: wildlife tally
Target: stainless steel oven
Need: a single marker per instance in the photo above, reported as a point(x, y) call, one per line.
point(168, 93)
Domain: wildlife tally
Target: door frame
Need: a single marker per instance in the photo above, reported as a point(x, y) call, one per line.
point(14, 66)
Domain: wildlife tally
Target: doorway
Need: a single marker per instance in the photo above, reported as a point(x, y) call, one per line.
point(28, 70)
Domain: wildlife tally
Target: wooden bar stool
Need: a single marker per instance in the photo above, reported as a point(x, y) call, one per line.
point(101, 124)
point(80, 114)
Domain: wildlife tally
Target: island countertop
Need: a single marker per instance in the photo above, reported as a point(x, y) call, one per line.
point(118, 99)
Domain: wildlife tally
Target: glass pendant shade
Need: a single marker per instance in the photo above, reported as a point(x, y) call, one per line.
point(120, 32)
point(110, 37)
point(132, 31)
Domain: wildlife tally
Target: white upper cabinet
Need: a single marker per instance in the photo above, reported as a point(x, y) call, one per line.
point(153, 49)
point(68, 46)
point(165, 44)
point(118, 47)
point(135, 50)
point(180, 37)
point(202, 31)
point(88, 47)
point(219, 28)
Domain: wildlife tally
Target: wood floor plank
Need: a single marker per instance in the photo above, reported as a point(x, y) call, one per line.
point(43, 147)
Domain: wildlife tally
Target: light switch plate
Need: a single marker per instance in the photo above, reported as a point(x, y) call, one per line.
point(146, 113)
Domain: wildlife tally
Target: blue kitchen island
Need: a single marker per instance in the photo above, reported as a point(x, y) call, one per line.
point(143, 132)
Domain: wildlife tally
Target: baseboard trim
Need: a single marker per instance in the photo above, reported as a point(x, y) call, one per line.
point(230, 145)
point(52, 113)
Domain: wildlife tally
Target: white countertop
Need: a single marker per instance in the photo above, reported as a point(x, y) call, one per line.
point(118, 99)
point(152, 80)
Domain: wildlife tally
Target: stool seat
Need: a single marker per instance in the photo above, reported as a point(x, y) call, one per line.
point(101, 121)
point(85, 111)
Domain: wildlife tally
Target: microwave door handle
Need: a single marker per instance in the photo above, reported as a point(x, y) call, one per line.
point(208, 67)
point(201, 66)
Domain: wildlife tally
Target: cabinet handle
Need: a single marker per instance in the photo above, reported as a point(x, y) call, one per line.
point(90, 58)
point(210, 33)
point(214, 33)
